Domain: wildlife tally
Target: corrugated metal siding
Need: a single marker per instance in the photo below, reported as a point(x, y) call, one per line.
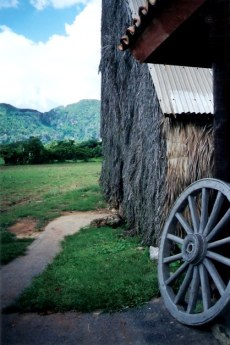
point(183, 90)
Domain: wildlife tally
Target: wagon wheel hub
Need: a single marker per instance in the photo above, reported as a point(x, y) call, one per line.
point(194, 248)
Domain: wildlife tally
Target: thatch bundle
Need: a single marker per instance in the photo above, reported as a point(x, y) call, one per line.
point(189, 155)
point(148, 159)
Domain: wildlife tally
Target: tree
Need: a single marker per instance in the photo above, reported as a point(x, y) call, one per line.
point(34, 151)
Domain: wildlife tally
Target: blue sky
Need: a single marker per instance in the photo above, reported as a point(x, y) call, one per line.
point(44, 60)
point(38, 25)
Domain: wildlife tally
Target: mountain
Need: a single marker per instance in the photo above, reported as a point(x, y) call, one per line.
point(79, 121)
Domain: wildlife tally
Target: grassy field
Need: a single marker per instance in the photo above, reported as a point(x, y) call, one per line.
point(43, 192)
point(98, 269)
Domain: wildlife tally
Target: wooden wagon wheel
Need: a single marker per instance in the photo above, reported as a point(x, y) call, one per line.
point(194, 255)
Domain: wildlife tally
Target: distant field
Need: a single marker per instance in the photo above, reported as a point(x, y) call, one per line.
point(23, 184)
point(43, 192)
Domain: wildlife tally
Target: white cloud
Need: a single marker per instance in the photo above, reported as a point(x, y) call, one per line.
point(8, 3)
point(41, 4)
point(61, 71)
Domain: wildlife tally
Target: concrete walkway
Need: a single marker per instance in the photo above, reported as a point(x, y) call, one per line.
point(18, 274)
point(149, 325)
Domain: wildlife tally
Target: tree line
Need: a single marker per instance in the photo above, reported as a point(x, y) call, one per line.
point(32, 151)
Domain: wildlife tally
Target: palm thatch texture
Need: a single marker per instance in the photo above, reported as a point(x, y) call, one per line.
point(189, 156)
point(133, 147)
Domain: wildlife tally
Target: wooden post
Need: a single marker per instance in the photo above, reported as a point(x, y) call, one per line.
point(220, 41)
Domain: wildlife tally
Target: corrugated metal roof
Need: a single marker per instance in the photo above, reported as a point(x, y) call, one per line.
point(183, 90)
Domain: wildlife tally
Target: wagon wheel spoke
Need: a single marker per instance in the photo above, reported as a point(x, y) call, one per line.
point(218, 281)
point(194, 213)
point(175, 239)
point(194, 290)
point(205, 288)
point(215, 212)
point(204, 209)
point(175, 275)
point(172, 258)
point(220, 225)
point(220, 258)
point(219, 243)
point(184, 223)
point(184, 286)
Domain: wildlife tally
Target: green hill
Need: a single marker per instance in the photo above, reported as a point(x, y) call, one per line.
point(79, 121)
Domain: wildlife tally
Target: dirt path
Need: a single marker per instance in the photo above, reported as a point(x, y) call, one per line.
point(18, 274)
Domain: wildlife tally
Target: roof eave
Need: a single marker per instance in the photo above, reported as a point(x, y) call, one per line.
point(169, 32)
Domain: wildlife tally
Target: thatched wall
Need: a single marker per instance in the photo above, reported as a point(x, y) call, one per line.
point(133, 148)
point(137, 178)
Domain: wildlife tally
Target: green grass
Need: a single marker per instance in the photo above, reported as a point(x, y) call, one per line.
point(21, 184)
point(43, 192)
point(98, 268)
point(12, 247)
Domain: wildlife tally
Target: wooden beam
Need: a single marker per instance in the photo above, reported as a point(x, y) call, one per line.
point(220, 40)
point(173, 14)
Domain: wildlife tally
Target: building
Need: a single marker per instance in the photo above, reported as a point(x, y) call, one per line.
point(156, 119)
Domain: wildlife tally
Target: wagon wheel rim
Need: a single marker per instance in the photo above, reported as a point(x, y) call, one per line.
point(194, 255)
